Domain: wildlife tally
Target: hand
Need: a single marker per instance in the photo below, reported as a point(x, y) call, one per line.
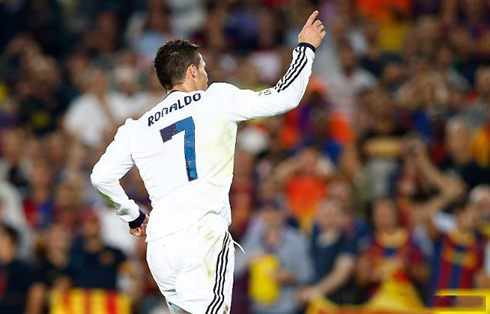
point(255, 256)
point(141, 230)
point(309, 293)
point(418, 149)
point(455, 188)
point(283, 276)
point(313, 32)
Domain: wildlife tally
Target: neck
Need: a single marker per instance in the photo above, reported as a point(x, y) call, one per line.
point(461, 157)
point(273, 237)
point(273, 230)
point(40, 194)
point(331, 232)
point(462, 229)
point(185, 87)
point(57, 257)
point(93, 244)
point(389, 230)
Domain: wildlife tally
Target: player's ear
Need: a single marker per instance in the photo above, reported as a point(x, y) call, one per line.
point(192, 70)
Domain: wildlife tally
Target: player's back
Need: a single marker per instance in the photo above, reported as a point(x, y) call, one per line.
point(184, 148)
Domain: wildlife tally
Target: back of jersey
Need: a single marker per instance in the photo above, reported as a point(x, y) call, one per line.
point(184, 150)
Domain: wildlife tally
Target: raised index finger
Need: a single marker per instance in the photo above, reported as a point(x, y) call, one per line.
point(312, 18)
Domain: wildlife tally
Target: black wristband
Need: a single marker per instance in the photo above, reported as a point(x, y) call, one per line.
point(138, 221)
point(307, 45)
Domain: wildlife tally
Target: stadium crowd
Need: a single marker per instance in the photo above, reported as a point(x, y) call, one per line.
point(381, 176)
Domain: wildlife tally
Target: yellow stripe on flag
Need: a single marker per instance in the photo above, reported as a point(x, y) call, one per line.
point(123, 304)
point(77, 301)
point(98, 302)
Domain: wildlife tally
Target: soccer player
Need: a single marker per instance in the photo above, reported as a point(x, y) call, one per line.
point(184, 150)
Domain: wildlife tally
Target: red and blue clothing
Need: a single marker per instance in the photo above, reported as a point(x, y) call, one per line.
point(457, 259)
point(399, 246)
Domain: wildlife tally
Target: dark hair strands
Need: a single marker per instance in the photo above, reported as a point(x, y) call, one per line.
point(173, 59)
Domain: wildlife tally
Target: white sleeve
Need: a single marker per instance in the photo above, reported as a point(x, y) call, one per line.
point(247, 104)
point(111, 167)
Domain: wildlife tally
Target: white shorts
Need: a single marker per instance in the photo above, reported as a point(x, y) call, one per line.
point(193, 267)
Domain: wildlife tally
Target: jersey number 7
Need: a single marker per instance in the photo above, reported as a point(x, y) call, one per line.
point(186, 125)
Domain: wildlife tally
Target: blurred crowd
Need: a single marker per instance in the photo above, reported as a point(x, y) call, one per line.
point(380, 177)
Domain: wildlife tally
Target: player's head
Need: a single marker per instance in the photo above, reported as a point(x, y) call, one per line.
point(179, 62)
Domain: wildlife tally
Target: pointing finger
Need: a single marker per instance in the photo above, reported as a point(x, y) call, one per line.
point(312, 17)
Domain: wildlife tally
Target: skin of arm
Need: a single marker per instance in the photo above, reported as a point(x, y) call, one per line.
point(342, 271)
point(425, 166)
point(35, 299)
point(365, 273)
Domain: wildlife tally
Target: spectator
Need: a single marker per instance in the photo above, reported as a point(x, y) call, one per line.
point(12, 214)
point(444, 65)
point(392, 17)
point(127, 82)
point(20, 292)
point(477, 114)
point(242, 193)
point(93, 264)
point(304, 178)
point(277, 259)
point(103, 39)
point(52, 263)
point(153, 96)
point(344, 87)
point(459, 160)
point(464, 49)
point(360, 184)
point(374, 59)
point(390, 252)
point(38, 203)
point(334, 255)
point(480, 143)
point(94, 115)
point(480, 197)
point(68, 200)
point(148, 30)
point(56, 153)
point(49, 97)
point(382, 142)
point(13, 166)
point(461, 248)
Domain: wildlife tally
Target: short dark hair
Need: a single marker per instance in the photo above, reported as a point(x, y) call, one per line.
point(173, 59)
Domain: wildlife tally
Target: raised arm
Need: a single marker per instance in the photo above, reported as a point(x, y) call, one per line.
point(111, 167)
point(287, 93)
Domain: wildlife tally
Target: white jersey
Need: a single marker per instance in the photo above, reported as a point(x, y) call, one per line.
point(184, 148)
